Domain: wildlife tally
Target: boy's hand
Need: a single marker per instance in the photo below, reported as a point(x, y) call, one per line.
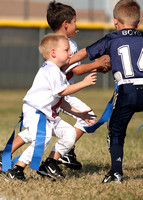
point(88, 118)
point(104, 62)
point(90, 79)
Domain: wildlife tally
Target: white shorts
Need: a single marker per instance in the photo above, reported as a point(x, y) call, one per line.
point(60, 129)
point(79, 105)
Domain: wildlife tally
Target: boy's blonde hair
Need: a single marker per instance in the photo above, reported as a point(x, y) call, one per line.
point(127, 12)
point(48, 42)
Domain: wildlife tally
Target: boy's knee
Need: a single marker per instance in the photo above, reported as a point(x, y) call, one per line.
point(115, 140)
point(67, 141)
point(71, 138)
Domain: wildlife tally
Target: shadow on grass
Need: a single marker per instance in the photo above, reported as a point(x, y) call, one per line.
point(90, 168)
point(87, 169)
point(132, 171)
point(133, 168)
point(138, 177)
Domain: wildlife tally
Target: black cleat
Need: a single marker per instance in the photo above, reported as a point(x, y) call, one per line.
point(15, 174)
point(51, 169)
point(113, 176)
point(70, 161)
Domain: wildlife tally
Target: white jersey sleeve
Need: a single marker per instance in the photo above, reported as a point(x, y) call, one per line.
point(73, 49)
point(69, 74)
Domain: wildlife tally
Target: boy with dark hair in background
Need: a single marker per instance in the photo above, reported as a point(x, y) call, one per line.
point(62, 20)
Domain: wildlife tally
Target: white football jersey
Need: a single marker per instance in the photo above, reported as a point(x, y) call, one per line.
point(43, 95)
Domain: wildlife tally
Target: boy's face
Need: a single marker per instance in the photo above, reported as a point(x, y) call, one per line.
point(71, 28)
point(62, 52)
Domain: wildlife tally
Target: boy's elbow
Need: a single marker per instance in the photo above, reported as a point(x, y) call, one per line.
point(84, 53)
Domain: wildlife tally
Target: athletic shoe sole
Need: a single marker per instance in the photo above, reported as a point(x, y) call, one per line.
point(70, 164)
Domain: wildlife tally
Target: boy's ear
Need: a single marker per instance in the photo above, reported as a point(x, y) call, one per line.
point(53, 53)
point(115, 21)
point(65, 24)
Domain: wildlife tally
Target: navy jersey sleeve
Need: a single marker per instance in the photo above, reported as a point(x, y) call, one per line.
point(97, 49)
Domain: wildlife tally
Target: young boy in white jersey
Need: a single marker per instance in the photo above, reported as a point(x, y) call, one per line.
point(62, 20)
point(46, 97)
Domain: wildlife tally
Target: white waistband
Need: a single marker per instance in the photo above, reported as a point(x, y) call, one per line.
point(135, 81)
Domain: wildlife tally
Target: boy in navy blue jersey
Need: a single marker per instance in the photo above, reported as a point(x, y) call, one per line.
point(125, 48)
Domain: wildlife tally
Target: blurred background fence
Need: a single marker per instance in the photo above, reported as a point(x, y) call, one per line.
point(19, 55)
point(23, 24)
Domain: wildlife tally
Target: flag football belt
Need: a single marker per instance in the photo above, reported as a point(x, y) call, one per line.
point(134, 81)
point(38, 149)
point(106, 114)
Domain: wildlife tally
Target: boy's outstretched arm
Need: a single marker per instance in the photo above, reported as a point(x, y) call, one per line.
point(87, 81)
point(80, 55)
point(102, 64)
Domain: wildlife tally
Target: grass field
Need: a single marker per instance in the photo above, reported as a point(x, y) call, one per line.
point(91, 151)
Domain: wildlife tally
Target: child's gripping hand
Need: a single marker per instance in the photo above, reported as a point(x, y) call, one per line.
point(90, 79)
point(104, 64)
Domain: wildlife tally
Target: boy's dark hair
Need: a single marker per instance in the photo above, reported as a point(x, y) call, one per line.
point(57, 13)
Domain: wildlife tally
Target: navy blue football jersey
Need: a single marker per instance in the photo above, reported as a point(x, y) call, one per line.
point(125, 48)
